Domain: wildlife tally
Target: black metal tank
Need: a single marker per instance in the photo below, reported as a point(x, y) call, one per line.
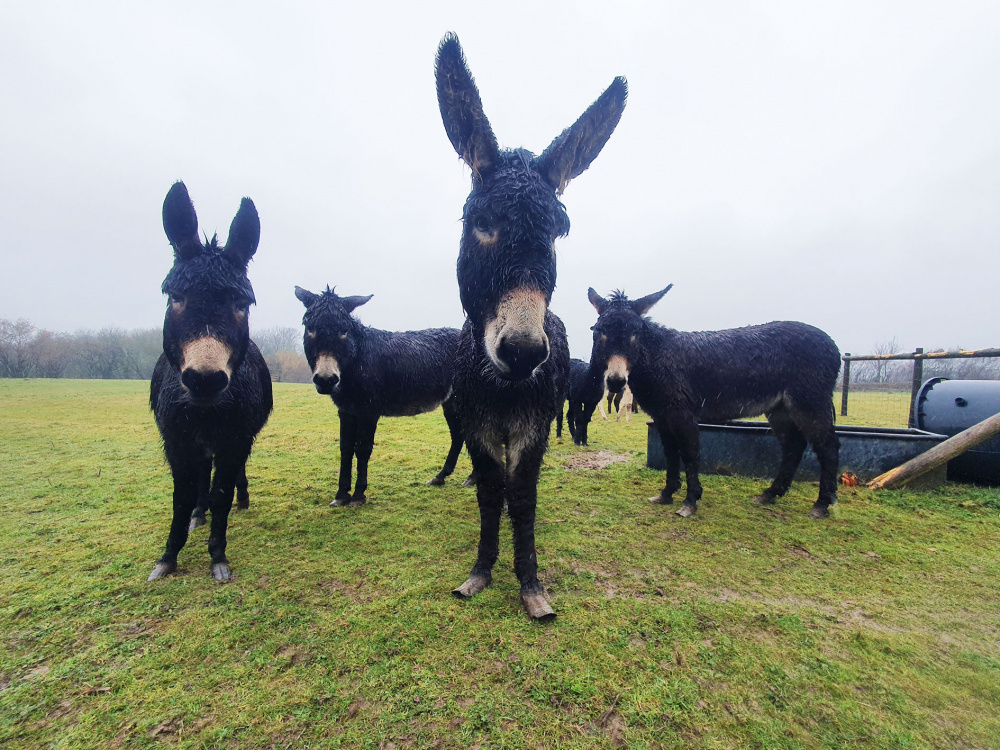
point(951, 406)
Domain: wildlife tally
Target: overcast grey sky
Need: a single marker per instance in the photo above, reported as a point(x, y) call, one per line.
point(836, 163)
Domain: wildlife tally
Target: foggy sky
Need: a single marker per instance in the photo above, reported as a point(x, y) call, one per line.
point(834, 163)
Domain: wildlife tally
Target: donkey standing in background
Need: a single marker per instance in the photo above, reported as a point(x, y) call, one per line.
point(211, 391)
point(585, 393)
point(786, 370)
point(513, 359)
point(371, 373)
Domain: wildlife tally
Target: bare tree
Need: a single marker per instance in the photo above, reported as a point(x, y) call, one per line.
point(15, 348)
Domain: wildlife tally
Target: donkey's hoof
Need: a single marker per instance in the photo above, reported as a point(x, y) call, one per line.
point(162, 569)
point(340, 500)
point(686, 511)
point(537, 606)
point(470, 481)
point(661, 500)
point(764, 499)
point(357, 501)
point(436, 481)
point(472, 586)
point(242, 505)
point(819, 511)
point(220, 571)
point(196, 521)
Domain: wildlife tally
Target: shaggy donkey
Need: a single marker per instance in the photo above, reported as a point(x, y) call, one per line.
point(786, 370)
point(585, 392)
point(513, 359)
point(211, 391)
point(371, 373)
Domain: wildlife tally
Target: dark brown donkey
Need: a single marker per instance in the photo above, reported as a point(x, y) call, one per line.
point(513, 360)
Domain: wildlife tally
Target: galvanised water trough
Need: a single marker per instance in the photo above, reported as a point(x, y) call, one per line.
point(951, 406)
point(750, 449)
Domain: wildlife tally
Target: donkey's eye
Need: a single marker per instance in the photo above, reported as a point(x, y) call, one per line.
point(311, 333)
point(176, 299)
point(631, 341)
point(482, 223)
point(343, 335)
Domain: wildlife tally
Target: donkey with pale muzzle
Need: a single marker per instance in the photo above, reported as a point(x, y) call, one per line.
point(370, 373)
point(785, 370)
point(513, 359)
point(211, 390)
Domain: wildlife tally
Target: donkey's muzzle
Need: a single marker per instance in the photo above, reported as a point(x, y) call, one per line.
point(204, 387)
point(522, 355)
point(615, 383)
point(325, 383)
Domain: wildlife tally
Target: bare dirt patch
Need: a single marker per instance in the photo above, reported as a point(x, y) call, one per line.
point(596, 460)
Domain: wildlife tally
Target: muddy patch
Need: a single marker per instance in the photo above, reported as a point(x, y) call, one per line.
point(596, 460)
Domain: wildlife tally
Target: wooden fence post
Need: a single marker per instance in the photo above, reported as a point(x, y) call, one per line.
point(918, 378)
point(847, 384)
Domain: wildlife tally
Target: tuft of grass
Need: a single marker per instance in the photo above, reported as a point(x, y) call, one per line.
point(740, 627)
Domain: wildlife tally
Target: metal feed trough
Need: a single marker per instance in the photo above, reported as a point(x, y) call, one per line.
point(750, 449)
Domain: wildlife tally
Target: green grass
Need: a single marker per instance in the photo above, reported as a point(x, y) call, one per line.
point(740, 628)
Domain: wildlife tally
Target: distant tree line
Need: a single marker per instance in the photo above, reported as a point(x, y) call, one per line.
point(900, 371)
point(118, 354)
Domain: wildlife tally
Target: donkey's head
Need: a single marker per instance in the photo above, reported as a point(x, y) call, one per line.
point(618, 334)
point(512, 217)
point(331, 337)
point(207, 326)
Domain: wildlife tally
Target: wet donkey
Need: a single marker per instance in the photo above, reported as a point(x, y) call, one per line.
point(786, 370)
point(211, 391)
point(513, 359)
point(370, 373)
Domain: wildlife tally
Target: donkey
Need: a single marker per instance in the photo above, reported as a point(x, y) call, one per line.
point(211, 390)
point(369, 373)
point(786, 370)
point(513, 358)
point(585, 393)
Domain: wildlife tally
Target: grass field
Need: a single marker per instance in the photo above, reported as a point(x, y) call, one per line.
point(740, 628)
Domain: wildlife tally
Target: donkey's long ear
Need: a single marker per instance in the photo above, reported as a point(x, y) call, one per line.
point(596, 300)
point(462, 110)
point(305, 296)
point(578, 145)
point(181, 223)
point(244, 234)
point(642, 306)
point(352, 302)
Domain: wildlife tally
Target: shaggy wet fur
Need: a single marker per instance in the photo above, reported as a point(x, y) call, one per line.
point(786, 370)
point(585, 393)
point(382, 374)
point(510, 379)
point(211, 419)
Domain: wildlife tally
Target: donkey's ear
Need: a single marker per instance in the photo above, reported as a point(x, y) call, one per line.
point(596, 300)
point(181, 223)
point(305, 296)
point(352, 302)
point(578, 145)
point(244, 234)
point(642, 306)
point(462, 110)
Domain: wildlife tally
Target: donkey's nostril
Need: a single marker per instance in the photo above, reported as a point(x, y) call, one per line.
point(325, 383)
point(204, 385)
point(522, 355)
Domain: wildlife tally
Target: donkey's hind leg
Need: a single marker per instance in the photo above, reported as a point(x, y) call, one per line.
point(793, 444)
point(456, 445)
point(673, 458)
point(821, 434)
point(242, 490)
point(204, 489)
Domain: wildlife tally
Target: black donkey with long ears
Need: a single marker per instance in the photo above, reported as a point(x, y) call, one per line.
point(786, 370)
point(513, 359)
point(211, 391)
point(370, 373)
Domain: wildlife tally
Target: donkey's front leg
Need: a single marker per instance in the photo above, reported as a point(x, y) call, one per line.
point(489, 493)
point(227, 471)
point(363, 448)
point(348, 437)
point(186, 476)
point(673, 458)
point(686, 434)
point(522, 497)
